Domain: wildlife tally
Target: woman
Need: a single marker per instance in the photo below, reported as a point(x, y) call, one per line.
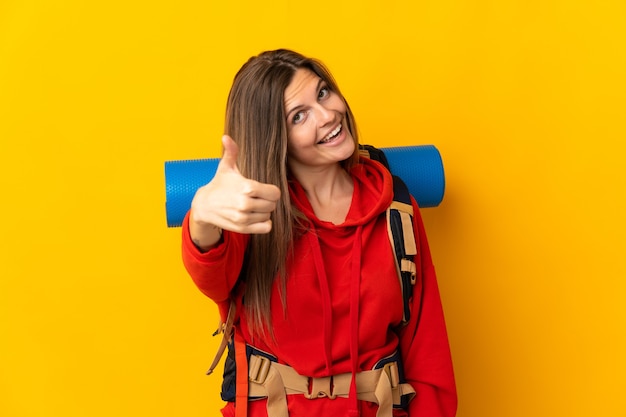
point(290, 236)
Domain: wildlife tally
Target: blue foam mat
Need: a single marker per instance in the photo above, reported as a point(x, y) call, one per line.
point(420, 167)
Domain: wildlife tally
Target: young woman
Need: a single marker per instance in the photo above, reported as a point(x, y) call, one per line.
point(291, 238)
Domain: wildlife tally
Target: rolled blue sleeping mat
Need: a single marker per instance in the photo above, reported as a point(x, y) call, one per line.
point(420, 167)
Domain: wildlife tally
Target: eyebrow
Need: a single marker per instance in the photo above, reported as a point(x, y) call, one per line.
point(320, 81)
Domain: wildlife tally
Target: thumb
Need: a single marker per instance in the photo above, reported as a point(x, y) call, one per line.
point(229, 157)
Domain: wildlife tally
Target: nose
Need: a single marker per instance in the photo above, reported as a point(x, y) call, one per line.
point(324, 115)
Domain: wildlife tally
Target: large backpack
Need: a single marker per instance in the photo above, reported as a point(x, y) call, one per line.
point(405, 246)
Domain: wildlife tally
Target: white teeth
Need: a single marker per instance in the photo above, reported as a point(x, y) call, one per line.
point(332, 134)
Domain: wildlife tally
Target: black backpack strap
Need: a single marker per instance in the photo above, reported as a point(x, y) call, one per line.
point(402, 238)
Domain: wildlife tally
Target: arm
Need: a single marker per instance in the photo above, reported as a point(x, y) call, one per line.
point(216, 271)
point(424, 341)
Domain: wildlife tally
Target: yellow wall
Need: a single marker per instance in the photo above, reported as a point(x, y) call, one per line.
point(524, 99)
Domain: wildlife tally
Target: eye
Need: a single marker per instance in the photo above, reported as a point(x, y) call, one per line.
point(298, 117)
point(324, 92)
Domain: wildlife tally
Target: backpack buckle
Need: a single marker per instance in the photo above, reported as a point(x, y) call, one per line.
point(321, 388)
point(258, 368)
point(391, 369)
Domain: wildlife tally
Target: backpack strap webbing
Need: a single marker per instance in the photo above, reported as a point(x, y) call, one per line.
point(226, 329)
point(241, 389)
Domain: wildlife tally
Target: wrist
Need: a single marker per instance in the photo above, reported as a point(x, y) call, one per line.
point(204, 236)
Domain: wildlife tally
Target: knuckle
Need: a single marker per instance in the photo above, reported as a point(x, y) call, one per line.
point(248, 188)
point(238, 217)
point(242, 204)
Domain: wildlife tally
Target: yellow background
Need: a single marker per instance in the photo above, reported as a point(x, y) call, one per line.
point(524, 99)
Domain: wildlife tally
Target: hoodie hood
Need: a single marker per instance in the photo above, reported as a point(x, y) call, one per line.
point(373, 193)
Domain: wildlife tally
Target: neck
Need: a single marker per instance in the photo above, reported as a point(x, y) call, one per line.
point(329, 191)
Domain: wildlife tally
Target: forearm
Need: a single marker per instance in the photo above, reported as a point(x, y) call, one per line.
point(216, 271)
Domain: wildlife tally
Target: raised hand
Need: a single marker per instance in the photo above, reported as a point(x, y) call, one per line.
point(231, 202)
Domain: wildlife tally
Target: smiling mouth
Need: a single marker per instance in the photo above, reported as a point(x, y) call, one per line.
point(332, 135)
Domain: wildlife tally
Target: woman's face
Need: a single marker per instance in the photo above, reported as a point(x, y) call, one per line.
point(318, 134)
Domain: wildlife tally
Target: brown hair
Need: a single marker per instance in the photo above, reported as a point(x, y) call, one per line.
point(256, 120)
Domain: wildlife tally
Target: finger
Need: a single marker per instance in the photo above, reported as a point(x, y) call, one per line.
point(245, 223)
point(262, 191)
point(257, 228)
point(229, 156)
point(245, 220)
point(259, 205)
point(261, 227)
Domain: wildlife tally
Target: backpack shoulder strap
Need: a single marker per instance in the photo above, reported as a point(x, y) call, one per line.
point(400, 227)
point(403, 242)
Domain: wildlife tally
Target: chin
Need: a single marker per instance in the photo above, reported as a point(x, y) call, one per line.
point(348, 154)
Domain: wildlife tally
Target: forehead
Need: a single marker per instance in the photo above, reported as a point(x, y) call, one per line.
point(304, 82)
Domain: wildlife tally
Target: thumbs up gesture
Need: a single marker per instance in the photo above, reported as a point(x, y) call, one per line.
point(231, 202)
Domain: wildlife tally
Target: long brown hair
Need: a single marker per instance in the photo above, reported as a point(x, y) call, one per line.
point(256, 120)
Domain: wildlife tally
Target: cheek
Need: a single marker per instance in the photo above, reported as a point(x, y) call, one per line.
point(294, 144)
point(300, 137)
point(337, 104)
point(300, 145)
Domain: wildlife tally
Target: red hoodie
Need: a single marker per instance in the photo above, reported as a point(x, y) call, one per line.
point(324, 330)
